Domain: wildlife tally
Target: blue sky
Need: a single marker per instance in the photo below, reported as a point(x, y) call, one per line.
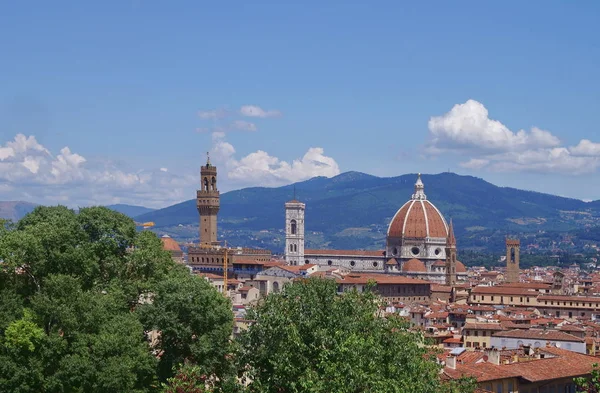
point(137, 91)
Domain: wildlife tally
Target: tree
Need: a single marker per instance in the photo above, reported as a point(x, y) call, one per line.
point(195, 324)
point(76, 292)
point(589, 385)
point(310, 339)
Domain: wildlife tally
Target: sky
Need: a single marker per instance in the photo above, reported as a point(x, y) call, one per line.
point(120, 101)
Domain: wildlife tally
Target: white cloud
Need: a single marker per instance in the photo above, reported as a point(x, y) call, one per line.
point(29, 171)
point(468, 125)
point(586, 148)
point(260, 168)
point(468, 130)
point(243, 125)
point(256, 111)
point(213, 114)
point(474, 163)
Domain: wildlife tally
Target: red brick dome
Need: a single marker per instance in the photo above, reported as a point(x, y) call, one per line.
point(169, 244)
point(460, 268)
point(414, 266)
point(418, 218)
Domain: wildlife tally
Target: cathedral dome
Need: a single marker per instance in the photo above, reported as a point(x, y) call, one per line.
point(414, 266)
point(460, 268)
point(169, 244)
point(418, 218)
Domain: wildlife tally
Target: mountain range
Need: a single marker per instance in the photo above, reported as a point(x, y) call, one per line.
point(352, 211)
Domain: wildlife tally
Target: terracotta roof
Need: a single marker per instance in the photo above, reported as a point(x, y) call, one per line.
point(380, 279)
point(418, 219)
point(539, 334)
point(482, 326)
point(439, 263)
point(392, 261)
point(169, 244)
point(244, 289)
point(566, 298)
point(460, 267)
point(498, 290)
point(528, 285)
point(441, 288)
point(357, 253)
point(414, 265)
point(453, 340)
point(558, 364)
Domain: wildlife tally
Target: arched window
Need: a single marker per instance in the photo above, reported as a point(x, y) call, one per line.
point(206, 184)
point(214, 183)
point(291, 248)
point(275, 286)
point(293, 227)
point(295, 248)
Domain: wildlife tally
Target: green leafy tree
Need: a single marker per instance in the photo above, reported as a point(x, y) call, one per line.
point(71, 285)
point(591, 384)
point(310, 339)
point(195, 324)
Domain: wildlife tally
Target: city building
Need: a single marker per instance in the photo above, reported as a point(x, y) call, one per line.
point(210, 254)
point(419, 244)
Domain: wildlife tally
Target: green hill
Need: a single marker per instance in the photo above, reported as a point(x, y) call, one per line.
point(352, 210)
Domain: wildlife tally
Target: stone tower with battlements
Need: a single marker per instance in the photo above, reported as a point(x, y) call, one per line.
point(513, 247)
point(451, 256)
point(294, 233)
point(208, 202)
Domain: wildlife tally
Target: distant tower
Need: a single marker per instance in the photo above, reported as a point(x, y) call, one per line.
point(451, 256)
point(294, 232)
point(207, 202)
point(513, 247)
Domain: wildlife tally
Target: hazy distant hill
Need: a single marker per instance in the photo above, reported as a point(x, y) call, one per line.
point(130, 210)
point(353, 209)
point(14, 210)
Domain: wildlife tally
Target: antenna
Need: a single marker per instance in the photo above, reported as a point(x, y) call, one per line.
point(294, 192)
point(207, 158)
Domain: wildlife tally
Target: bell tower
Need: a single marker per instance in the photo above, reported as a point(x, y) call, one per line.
point(513, 247)
point(208, 202)
point(451, 256)
point(294, 232)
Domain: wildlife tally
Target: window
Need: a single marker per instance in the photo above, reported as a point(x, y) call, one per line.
point(476, 333)
point(570, 314)
point(492, 298)
point(395, 251)
point(293, 227)
point(415, 250)
point(558, 313)
point(329, 263)
point(352, 263)
point(499, 387)
point(306, 261)
point(374, 264)
point(291, 248)
point(483, 344)
point(511, 386)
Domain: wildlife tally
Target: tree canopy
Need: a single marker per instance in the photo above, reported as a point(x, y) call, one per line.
point(310, 339)
point(88, 304)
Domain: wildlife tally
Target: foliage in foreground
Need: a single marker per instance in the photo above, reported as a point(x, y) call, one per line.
point(74, 309)
point(309, 339)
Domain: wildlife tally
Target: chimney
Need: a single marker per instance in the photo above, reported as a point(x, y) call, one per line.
point(493, 356)
point(451, 362)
